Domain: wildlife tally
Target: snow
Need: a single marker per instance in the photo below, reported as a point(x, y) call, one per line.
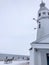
point(15, 63)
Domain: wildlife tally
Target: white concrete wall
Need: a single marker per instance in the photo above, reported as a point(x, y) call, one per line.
point(38, 57)
point(43, 53)
point(32, 57)
point(44, 30)
point(43, 58)
point(45, 40)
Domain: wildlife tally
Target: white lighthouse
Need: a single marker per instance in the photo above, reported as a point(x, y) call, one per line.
point(39, 51)
point(43, 24)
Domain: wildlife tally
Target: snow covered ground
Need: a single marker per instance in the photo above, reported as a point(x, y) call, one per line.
point(15, 63)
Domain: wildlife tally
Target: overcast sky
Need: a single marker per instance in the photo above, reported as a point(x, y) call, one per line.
point(17, 25)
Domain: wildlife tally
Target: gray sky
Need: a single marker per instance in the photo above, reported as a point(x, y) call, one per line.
point(16, 25)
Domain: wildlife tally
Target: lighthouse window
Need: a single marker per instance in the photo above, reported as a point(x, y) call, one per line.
point(39, 14)
point(44, 12)
point(48, 13)
point(39, 25)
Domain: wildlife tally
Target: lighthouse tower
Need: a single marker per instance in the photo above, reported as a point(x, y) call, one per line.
point(39, 51)
point(43, 24)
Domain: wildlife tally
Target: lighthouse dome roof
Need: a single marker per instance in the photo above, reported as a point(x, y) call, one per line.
point(42, 7)
point(43, 11)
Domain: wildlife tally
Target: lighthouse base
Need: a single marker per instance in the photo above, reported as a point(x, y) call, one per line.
point(39, 54)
